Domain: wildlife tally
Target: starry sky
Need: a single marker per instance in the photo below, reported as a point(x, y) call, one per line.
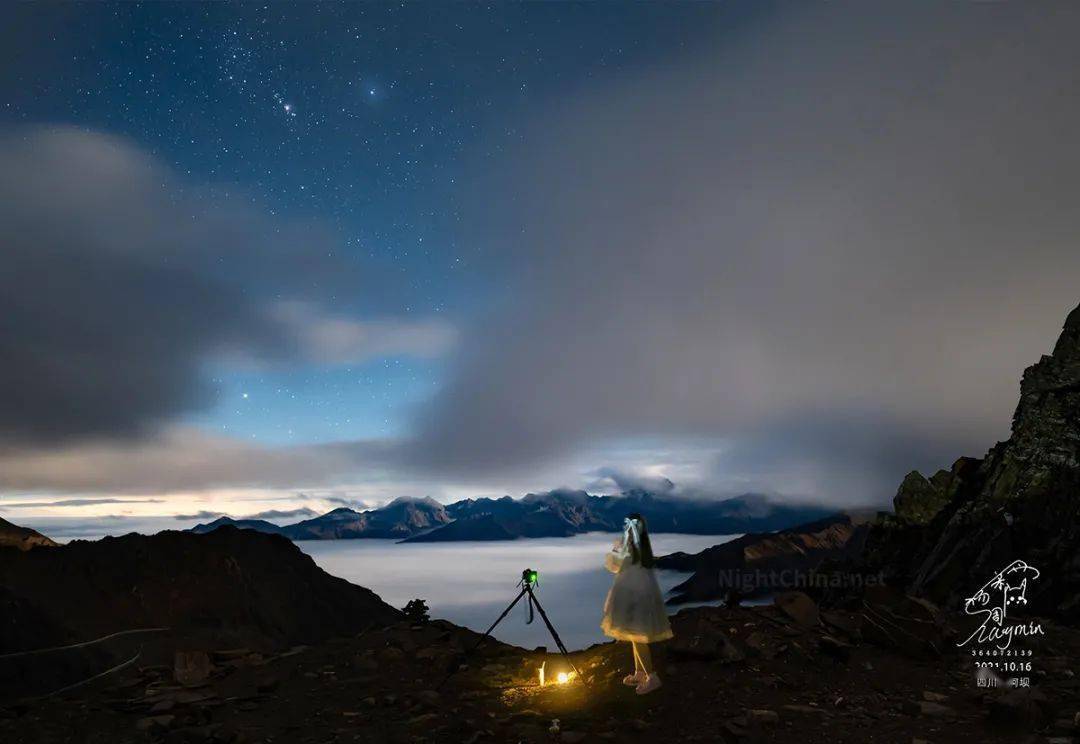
point(365, 117)
point(272, 259)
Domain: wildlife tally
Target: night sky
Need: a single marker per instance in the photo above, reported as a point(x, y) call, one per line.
point(367, 118)
point(279, 258)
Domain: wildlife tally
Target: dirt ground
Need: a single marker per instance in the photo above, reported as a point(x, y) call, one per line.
point(731, 675)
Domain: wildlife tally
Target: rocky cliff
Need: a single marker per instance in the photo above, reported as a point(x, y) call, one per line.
point(952, 532)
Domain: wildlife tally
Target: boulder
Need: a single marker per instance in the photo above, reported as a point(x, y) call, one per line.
point(192, 668)
point(799, 607)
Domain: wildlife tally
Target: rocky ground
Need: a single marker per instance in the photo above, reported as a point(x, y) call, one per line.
point(774, 673)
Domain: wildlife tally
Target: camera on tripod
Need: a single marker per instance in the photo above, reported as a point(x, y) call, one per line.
point(530, 578)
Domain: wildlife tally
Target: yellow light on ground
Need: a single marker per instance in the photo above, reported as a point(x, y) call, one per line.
point(563, 678)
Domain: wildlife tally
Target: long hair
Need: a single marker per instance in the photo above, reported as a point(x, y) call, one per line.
point(645, 557)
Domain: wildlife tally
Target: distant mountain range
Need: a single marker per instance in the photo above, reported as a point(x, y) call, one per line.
point(559, 513)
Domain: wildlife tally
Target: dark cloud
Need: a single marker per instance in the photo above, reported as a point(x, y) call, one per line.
point(199, 516)
point(184, 459)
point(121, 282)
point(833, 240)
point(75, 502)
point(283, 514)
point(270, 514)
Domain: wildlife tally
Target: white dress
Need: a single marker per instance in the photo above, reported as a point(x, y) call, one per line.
point(634, 609)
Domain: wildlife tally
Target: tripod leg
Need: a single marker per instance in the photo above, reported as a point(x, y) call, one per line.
point(555, 636)
point(499, 619)
point(485, 635)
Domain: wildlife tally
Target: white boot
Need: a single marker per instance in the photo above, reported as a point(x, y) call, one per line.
point(652, 681)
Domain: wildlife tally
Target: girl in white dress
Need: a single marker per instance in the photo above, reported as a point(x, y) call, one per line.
point(634, 610)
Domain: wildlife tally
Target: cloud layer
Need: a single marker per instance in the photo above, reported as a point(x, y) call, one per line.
point(120, 283)
point(831, 242)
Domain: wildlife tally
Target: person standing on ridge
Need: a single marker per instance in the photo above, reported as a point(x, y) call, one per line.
point(634, 609)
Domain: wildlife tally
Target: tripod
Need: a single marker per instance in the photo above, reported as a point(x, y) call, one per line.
point(528, 581)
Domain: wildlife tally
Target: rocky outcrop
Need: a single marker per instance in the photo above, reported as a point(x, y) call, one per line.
point(920, 499)
point(954, 531)
point(22, 538)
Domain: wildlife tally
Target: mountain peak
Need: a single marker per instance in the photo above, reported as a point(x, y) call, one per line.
point(22, 538)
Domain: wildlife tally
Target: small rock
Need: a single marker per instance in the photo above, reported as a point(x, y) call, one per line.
point(638, 725)
point(803, 709)
point(424, 719)
point(934, 697)
point(162, 706)
point(191, 668)
point(935, 710)
point(799, 607)
point(267, 684)
point(155, 723)
point(293, 651)
point(835, 648)
point(232, 653)
point(761, 718)
point(429, 697)
point(370, 702)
